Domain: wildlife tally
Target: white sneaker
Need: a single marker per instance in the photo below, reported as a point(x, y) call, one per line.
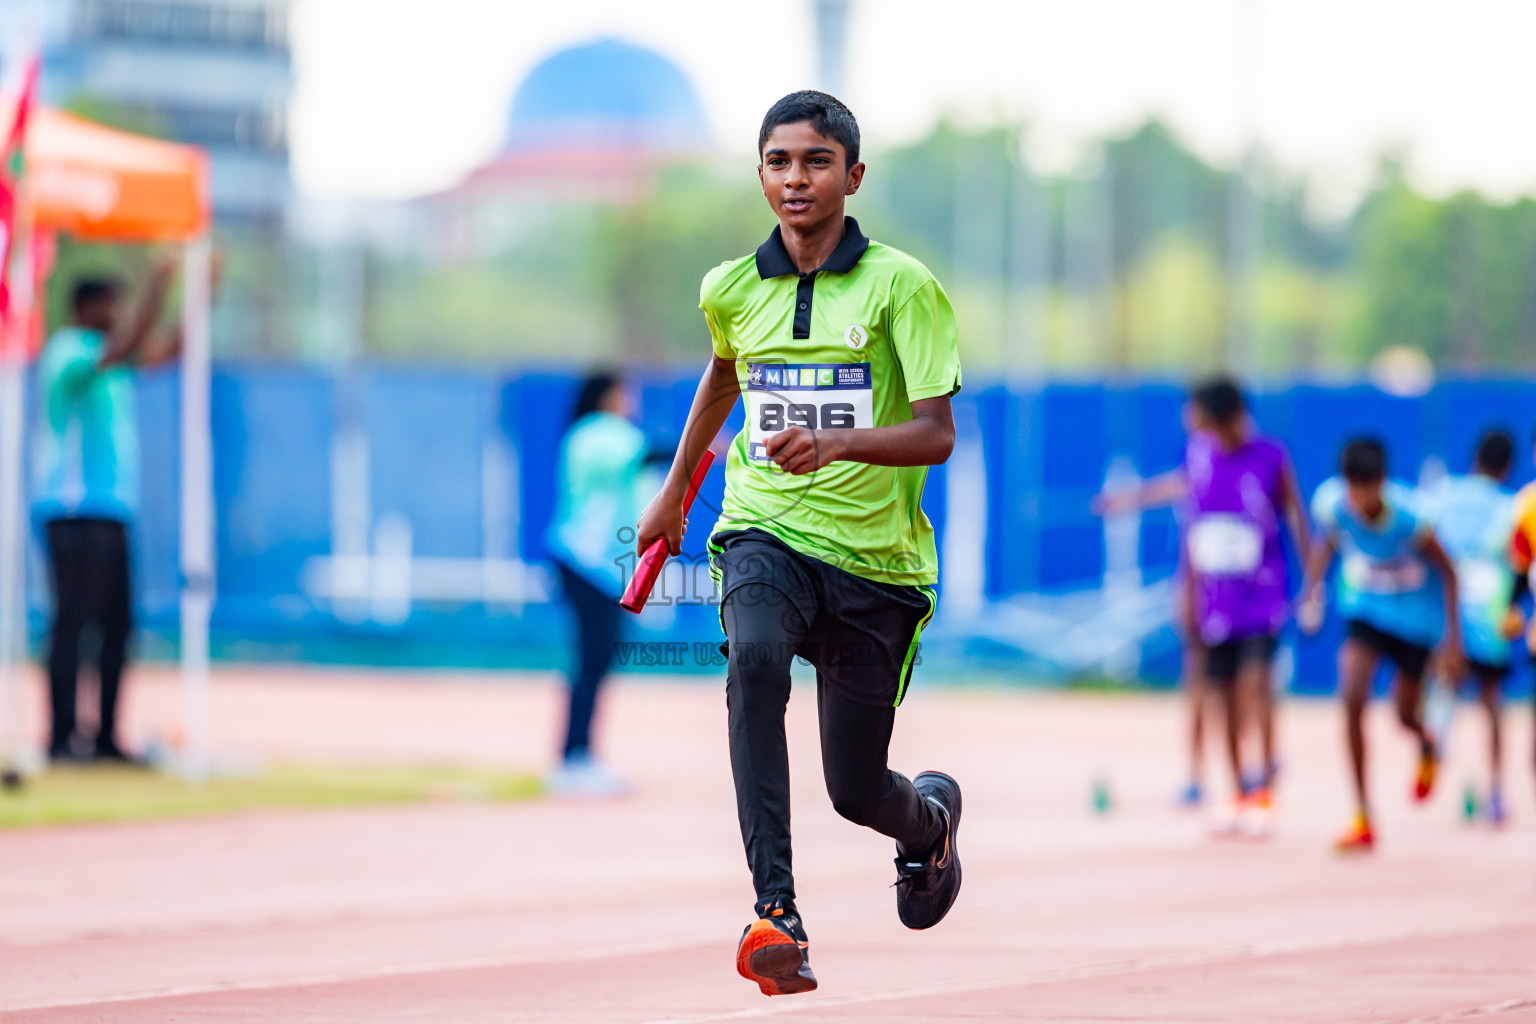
point(1257, 820)
point(1227, 818)
point(583, 777)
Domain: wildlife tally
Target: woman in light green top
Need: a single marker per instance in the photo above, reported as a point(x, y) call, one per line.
point(602, 462)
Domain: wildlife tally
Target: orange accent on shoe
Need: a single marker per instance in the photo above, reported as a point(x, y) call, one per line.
point(1257, 820)
point(766, 948)
point(1359, 838)
point(1425, 783)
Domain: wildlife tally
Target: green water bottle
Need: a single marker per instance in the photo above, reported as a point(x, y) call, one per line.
point(1469, 803)
point(1101, 798)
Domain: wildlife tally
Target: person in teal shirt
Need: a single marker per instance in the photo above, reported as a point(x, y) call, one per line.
point(601, 473)
point(1473, 517)
point(86, 493)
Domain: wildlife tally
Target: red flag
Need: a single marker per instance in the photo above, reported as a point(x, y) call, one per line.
point(12, 167)
point(45, 252)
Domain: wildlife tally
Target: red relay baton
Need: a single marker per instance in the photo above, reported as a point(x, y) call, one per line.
point(649, 567)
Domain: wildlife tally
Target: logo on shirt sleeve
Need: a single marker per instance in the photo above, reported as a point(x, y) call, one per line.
point(855, 336)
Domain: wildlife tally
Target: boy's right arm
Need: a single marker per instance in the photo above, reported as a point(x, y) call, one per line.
point(1452, 654)
point(125, 344)
point(1155, 492)
point(716, 396)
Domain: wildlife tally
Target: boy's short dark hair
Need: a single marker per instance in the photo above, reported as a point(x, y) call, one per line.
point(1364, 461)
point(825, 113)
point(1219, 398)
point(90, 290)
point(1495, 452)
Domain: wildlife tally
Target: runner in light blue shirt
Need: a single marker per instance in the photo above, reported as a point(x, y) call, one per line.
point(1384, 578)
point(1393, 604)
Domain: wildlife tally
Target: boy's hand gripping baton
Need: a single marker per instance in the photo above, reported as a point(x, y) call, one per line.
point(648, 568)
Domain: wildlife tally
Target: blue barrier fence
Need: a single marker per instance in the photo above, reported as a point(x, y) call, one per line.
point(398, 515)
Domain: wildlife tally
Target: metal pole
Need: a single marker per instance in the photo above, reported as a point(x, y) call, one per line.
point(197, 587)
point(13, 594)
point(12, 576)
point(831, 44)
point(1244, 214)
point(1030, 271)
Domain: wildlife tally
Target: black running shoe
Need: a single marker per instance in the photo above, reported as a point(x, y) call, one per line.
point(926, 885)
point(69, 750)
point(774, 952)
point(107, 751)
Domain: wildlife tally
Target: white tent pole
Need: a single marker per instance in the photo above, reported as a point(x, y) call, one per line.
point(20, 51)
point(12, 577)
point(13, 591)
point(197, 582)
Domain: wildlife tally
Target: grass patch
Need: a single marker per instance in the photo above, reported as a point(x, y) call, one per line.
point(1104, 684)
point(90, 793)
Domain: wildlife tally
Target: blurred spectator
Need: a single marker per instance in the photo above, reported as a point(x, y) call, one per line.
point(602, 458)
point(88, 492)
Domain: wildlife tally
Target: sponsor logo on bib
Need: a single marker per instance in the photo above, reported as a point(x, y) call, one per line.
point(818, 396)
point(856, 337)
point(1481, 581)
point(1400, 574)
point(1222, 544)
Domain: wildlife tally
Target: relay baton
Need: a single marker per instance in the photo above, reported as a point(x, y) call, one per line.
point(649, 566)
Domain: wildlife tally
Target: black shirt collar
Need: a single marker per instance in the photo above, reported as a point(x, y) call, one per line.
point(773, 259)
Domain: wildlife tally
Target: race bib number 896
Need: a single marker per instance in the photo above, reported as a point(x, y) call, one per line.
point(817, 396)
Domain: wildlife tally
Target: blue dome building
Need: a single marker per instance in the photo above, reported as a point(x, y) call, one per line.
point(606, 94)
point(595, 122)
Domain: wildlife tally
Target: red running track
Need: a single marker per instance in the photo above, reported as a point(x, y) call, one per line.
point(629, 912)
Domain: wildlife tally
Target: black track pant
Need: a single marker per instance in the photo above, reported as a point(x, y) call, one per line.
point(89, 561)
point(597, 632)
point(764, 632)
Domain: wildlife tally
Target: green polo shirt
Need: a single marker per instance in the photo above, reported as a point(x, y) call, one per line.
point(852, 344)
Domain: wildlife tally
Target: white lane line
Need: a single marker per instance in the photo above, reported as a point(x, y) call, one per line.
point(363, 974)
point(1486, 1010)
point(1017, 979)
point(1108, 968)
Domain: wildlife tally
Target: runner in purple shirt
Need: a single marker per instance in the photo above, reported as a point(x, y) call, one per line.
point(1236, 486)
point(1240, 486)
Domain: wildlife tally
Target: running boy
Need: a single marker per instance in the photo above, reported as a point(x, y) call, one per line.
point(1472, 521)
point(1241, 487)
point(846, 353)
point(1388, 597)
point(1236, 487)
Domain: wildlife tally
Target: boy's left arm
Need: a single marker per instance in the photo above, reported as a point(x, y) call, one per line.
point(924, 440)
point(1451, 653)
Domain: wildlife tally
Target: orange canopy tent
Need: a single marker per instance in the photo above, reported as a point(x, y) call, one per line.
point(99, 183)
